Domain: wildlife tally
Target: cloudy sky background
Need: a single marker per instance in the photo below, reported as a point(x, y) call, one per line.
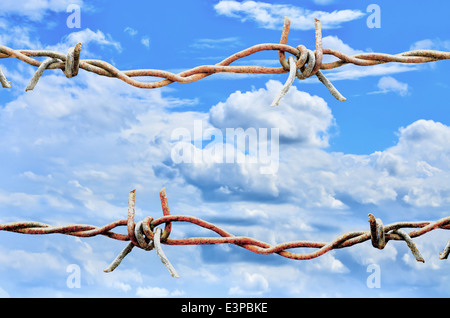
point(72, 149)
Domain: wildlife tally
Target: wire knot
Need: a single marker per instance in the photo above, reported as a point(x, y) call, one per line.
point(379, 237)
point(377, 234)
point(72, 63)
point(144, 235)
point(308, 63)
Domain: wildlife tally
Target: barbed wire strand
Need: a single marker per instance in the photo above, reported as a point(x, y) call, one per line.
point(146, 235)
point(308, 63)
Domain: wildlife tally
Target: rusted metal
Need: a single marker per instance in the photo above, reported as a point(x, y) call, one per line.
point(288, 83)
point(34, 80)
point(377, 232)
point(410, 244)
point(143, 235)
point(445, 252)
point(70, 63)
point(5, 83)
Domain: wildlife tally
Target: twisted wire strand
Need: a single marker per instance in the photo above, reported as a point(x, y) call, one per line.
point(146, 235)
point(308, 63)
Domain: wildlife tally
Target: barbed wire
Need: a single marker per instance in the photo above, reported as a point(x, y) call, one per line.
point(146, 235)
point(305, 64)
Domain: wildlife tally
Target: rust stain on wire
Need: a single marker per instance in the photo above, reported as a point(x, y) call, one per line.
point(308, 63)
point(146, 235)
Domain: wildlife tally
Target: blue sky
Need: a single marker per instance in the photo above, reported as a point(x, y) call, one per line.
point(72, 149)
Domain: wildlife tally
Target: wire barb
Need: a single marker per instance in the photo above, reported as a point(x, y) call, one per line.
point(161, 254)
point(288, 84)
point(377, 232)
point(5, 83)
point(410, 244)
point(39, 72)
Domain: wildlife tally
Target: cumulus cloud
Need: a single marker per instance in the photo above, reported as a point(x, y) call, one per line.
point(271, 16)
point(145, 41)
point(252, 284)
point(130, 31)
point(216, 43)
point(411, 172)
point(335, 43)
point(431, 44)
point(300, 118)
point(388, 84)
point(19, 260)
point(88, 38)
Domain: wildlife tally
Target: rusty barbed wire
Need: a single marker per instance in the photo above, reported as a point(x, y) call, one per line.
point(306, 64)
point(146, 235)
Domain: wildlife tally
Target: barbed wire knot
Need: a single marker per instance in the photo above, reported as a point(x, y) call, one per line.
point(72, 64)
point(377, 232)
point(308, 63)
point(380, 235)
point(144, 235)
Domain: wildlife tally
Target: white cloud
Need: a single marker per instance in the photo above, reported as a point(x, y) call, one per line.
point(20, 260)
point(388, 84)
point(145, 41)
point(307, 174)
point(335, 43)
point(87, 37)
point(302, 120)
point(216, 43)
point(4, 293)
point(18, 36)
point(300, 117)
point(28, 201)
point(271, 16)
point(157, 292)
point(328, 263)
point(410, 172)
point(251, 284)
point(130, 31)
